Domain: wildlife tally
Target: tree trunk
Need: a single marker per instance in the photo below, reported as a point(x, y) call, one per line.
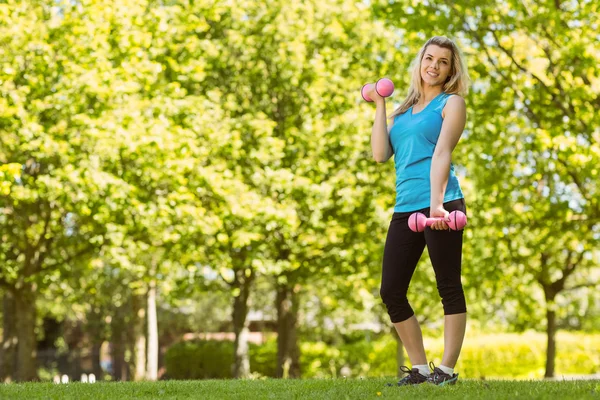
point(117, 325)
point(241, 366)
point(139, 337)
point(75, 361)
point(551, 340)
point(26, 348)
point(95, 331)
point(288, 353)
point(400, 360)
point(152, 372)
point(8, 350)
point(96, 358)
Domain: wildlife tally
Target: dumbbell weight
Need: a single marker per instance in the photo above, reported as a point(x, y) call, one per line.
point(384, 87)
point(417, 222)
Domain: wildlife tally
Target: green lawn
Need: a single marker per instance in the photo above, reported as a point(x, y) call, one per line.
point(303, 389)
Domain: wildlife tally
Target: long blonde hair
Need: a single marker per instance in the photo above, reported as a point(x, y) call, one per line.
point(457, 82)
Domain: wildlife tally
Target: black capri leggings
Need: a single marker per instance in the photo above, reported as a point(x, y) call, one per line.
point(403, 249)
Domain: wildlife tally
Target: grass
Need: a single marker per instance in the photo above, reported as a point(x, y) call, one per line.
point(303, 389)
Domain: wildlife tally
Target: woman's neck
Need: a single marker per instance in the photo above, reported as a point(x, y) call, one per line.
point(429, 93)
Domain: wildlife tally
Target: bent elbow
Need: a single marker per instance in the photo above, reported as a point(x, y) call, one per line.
point(382, 156)
point(442, 154)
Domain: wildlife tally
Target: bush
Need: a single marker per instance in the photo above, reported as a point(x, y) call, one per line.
point(522, 355)
point(366, 358)
point(483, 356)
point(199, 359)
point(212, 359)
point(263, 358)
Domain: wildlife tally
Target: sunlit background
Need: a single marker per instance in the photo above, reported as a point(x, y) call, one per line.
point(187, 189)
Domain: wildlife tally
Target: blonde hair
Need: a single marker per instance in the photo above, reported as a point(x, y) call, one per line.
point(457, 82)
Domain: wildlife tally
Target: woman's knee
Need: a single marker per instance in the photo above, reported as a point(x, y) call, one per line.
point(453, 299)
point(396, 303)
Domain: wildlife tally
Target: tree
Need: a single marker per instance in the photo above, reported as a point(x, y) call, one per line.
point(48, 177)
point(96, 148)
point(299, 69)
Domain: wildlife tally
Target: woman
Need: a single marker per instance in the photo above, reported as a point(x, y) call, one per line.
point(423, 133)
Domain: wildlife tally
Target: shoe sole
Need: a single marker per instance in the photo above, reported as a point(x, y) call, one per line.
point(448, 382)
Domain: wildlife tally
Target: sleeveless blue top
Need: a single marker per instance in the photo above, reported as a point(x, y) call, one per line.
point(413, 139)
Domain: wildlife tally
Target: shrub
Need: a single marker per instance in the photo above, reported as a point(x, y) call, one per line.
point(263, 358)
point(199, 359)
point(483, 356)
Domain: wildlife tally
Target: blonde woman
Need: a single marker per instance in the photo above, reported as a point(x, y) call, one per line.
point(422, 134)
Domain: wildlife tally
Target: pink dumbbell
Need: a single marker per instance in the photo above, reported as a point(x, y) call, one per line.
point(384, 87)
point(418, 221)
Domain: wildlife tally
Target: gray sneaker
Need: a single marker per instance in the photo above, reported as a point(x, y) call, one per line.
point(413, 377)
point(440, 378)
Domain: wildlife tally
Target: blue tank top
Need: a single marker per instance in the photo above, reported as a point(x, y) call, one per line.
point(413, 139)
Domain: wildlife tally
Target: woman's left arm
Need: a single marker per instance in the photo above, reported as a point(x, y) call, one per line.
point(455, 116)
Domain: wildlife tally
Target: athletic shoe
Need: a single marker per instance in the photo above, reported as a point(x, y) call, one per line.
point(414, 377)
point(440, 378)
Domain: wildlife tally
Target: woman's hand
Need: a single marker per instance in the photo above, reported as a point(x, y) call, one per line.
point(436, 212)
point(372, 93)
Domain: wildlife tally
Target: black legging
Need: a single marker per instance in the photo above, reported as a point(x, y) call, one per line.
point(403, 249)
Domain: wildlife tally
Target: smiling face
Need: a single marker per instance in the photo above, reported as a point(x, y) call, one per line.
point(435, 65)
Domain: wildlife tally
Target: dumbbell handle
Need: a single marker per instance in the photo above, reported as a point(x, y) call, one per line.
point(418, 221)
point(430, 221)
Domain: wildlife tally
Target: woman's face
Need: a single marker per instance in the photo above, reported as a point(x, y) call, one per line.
point(435, 65)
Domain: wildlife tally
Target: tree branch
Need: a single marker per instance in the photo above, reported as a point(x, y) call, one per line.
point(539, 275)
point(45, 230)
point(571, 113)
point(571, 266)
point(530, 113)
point(576, 180)
point(74, 256)
point(37, 265)
point(518, 65)
point(582, 286)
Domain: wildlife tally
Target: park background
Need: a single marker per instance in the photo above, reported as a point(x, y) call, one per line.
point(187, 189)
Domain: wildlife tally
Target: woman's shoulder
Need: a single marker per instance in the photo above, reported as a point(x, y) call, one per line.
point(447, 97)
point(453, 103)
point(454, 100)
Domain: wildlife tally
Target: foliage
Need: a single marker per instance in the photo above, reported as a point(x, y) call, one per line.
point(203, 143)
point(199, 360)
point(530, 153)
point(486, 356)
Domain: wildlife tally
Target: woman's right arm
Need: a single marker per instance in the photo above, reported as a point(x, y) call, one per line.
point(380, 136)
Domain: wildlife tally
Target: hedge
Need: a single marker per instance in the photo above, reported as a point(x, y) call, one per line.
point(484, 356)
